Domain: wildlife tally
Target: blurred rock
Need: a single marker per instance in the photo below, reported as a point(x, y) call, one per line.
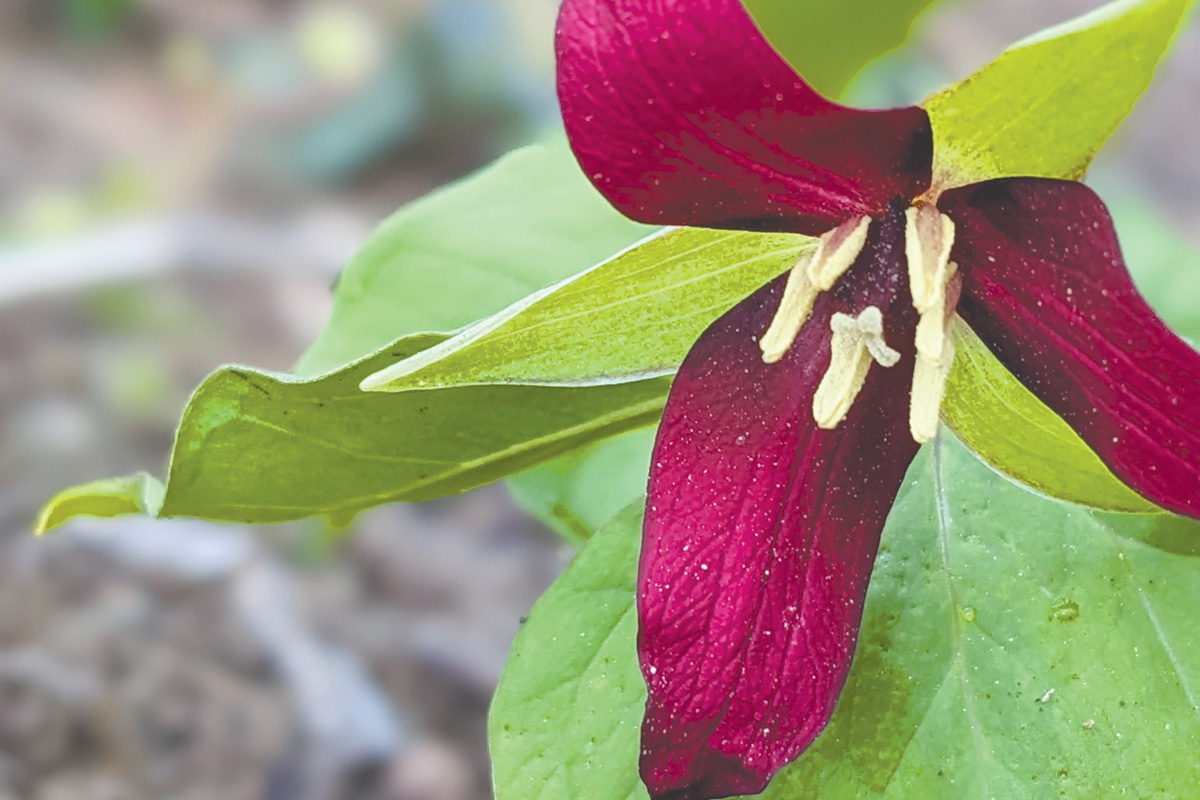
point(184, 724)
point(87, 785)
point(180, 550)
point(44, 706)
point(348, 720)
point(430, 770)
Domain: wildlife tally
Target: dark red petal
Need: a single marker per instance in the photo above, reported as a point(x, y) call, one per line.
point(1045, 287)
point(760, 535)
point(682, 114)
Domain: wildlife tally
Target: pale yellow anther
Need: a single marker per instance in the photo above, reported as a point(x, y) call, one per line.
point(928, 389)
point(815, 272)
point(928, 238)
point(857, 341)
point(837, 251)
point(798, 298)
point(931, 327)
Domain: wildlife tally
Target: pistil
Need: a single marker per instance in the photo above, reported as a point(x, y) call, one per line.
point(857, 341)
point(814, 272)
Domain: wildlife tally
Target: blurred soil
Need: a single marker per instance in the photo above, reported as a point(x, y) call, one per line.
point(184, 660)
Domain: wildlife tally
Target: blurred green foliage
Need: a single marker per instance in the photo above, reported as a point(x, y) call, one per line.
point(836, 38)
point(93, 17)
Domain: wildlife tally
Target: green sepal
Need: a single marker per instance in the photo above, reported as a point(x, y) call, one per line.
point(1049, 102)
point(1016, 433)
point(633, 316)
point(852, 33)
point(469, 249)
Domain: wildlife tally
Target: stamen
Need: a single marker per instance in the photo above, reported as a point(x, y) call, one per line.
point(794, 308)
point(935, 284)
point(928, 390)
point(836, 251)
point(931, 328)
point(928, 238)
point(857, 341)
point(815, 272)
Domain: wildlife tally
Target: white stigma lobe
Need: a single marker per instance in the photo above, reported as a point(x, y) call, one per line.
point(857, 342)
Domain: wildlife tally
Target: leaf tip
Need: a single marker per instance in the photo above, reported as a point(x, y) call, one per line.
point(139, 493)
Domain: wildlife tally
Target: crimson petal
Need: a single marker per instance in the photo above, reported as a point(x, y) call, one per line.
point(682, 114)
point(760, 535)
point(1044, 286)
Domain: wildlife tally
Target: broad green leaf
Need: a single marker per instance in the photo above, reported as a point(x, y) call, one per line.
point(1045, 106)
point(468, 250)
point(256, 446)
point(109, 497)
point(1012, 647)
point(633, 316)
point(262, 447)
point(829, 42)
point(564, 722)
point(575, 494)
point(1007, 426)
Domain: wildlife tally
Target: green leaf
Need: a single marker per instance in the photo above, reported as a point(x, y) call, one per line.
point(1015, 432)
point(851, 33)
point(985, 597)
point(110, 497)
point(1045, 106)
point(633, 316)
point(261, 447)
point(565, 718)
point(87, 18)
point(575, 494)
point(257, 446)
point(468, 250)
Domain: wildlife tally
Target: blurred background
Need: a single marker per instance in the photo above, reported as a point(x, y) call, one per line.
point(180, 183)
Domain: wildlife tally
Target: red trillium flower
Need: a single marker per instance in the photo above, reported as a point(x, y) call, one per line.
point(794, 417)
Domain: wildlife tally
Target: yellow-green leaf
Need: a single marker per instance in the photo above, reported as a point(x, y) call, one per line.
point(468, 250)
point(1047, 104)
point(1017, 434)
point(255, 446)
point(633, 316)
point(829, 42)
point(109, 497)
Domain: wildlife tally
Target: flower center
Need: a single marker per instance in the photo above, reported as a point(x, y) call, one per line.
point(858, 341)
